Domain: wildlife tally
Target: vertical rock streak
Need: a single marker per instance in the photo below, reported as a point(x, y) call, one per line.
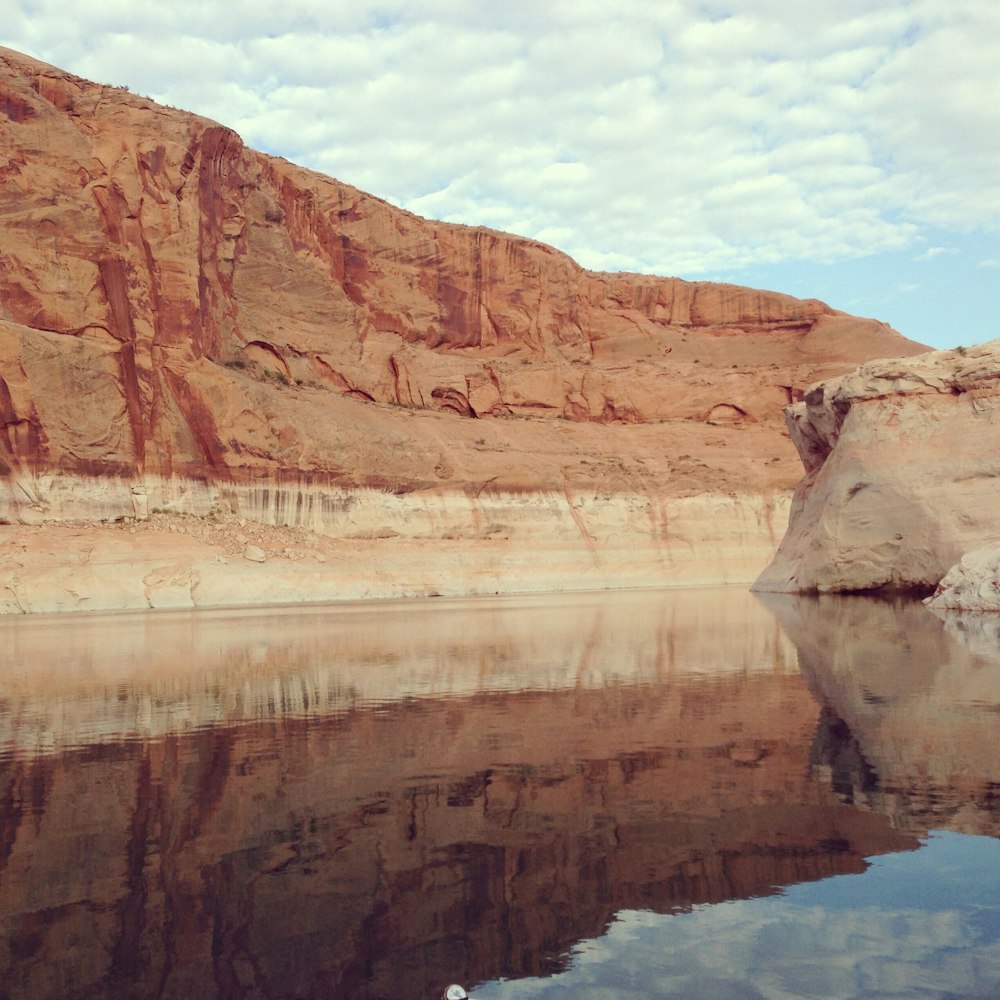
point(178, 309)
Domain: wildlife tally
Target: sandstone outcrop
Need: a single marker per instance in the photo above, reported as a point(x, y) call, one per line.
point(901, 474)
point(973, 584)
point(189, 325)
point(387, 547)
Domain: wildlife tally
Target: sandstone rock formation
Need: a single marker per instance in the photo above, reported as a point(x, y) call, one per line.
point(973, 584)
point(901, 474)
point(188, 326)
point(411, 546)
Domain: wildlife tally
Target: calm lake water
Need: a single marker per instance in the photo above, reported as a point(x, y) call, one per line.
point(697, 794)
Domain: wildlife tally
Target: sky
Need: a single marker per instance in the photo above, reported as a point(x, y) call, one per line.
point(915, 924)
point(846, 150)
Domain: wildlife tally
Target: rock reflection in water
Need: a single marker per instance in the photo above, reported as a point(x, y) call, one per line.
point(910, 725)
point(370, 802)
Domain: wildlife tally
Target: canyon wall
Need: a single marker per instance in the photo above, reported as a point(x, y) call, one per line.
point(187, 325)
point(901, 470)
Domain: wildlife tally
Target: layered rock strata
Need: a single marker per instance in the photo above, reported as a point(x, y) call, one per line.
point(419, 545)
point(188, 325)
point(901, 476)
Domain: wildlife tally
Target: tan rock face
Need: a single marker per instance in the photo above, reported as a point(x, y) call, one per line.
point(378, 545)
point(972, 584)
point(176, 308)
point(901, 467)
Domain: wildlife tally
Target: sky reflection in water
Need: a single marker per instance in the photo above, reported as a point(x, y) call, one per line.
point(923, 924)
point(690, 794)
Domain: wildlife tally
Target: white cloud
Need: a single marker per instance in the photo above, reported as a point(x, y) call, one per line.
point(932, 252)
point(672, 137)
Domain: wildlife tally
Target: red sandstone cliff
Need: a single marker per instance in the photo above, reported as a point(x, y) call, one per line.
point(173, 302)
point(178, 309)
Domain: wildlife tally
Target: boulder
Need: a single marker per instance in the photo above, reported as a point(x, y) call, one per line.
point(973, 584)
point(902, 465)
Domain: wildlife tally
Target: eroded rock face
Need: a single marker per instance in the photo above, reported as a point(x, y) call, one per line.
point(383, 546)
point(972, 584)
point(901, 469)
point(188, 321)
point(166, 293)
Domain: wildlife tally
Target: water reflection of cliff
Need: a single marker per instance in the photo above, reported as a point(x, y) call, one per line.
point(74, 680)
point(651, 754)
point(911, 719)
